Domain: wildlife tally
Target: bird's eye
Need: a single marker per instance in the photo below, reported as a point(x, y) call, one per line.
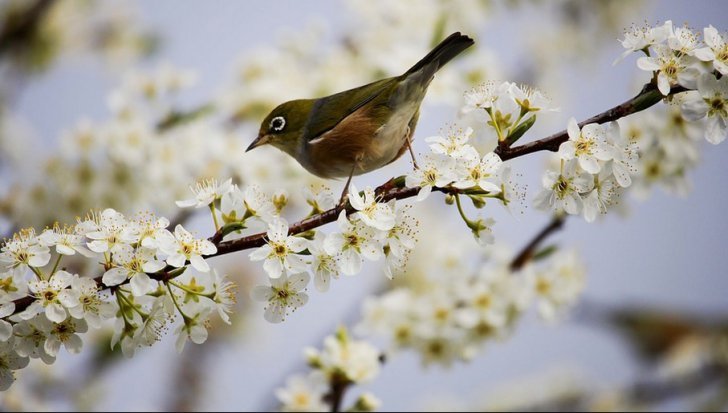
point(278, 123)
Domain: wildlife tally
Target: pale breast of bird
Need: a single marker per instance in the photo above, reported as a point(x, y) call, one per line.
point(389, 138)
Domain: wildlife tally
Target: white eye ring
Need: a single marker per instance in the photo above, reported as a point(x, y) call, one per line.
point(278, 123)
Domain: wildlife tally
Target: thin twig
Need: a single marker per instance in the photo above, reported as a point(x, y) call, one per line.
point(529, 250)
point(648, 97)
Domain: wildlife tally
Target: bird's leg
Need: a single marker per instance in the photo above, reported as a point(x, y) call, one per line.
point(409, 146)
point(345, 192)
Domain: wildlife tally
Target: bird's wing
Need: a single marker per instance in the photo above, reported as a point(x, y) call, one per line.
point(329, 111)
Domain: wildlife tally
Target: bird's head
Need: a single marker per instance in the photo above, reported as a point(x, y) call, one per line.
point(283, 127)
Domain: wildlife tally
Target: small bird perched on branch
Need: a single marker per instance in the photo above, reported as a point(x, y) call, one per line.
point(361, 129)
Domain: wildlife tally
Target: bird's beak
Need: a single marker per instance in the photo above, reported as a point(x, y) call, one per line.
point(260, 140)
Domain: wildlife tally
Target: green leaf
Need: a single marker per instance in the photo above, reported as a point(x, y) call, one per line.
point(520, 130)
point(545, 252)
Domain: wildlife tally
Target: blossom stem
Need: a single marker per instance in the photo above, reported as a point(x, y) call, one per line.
point(185, 317)
point(130, 304)
point(462, 213)
point(55, 266)
point(214, 216)
point(37, 272)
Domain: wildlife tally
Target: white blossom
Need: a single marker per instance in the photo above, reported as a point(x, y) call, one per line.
point(716, 50)
point(303, 394)
point(183, 246)
point(588, 145)
point(320, 198)
point(65, 240)
point(193, 328)
point(280, 251)
point(710, 102)
point(672, 69)
point(133, 265)
point(562, 189)
point(9, 362)
point(24, 250)
point(355, 242)
point(641, 38)
point(357, 360)
point(206, 192)
point(558, 286)
point(472, 171)
point(454, 145)
point(436, 171)
point(52, 297)
point(30, 338)
point(284, 295)
point(109, 232)
point(375, 214)
point(223, 296)
point(323, 265)
point(66, 333)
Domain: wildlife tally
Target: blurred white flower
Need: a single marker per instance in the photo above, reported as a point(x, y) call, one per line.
point(641, 38)
point(9, 362)
point(193, 328)
point(562, 189)
point(206, 192)
point(560, 285)
point(324, 265)
point(358, 361)
point(66, 333)
point(711, 102)
point(319, 197)
point(30, 338)
point(625, 155)
point(223, 296)
point(284, 295)
point(24, 250)
point(303, 394)
point(454, 145)
point(716, 50)
point(601, 197)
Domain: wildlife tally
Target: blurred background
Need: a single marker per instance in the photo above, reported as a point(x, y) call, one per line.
point(199, 77)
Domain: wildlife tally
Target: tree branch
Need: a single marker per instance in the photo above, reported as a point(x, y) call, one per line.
point(18, 29)
point(529, 250)
point(648, 97)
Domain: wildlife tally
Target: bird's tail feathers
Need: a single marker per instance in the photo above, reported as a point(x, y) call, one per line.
point(452, 46)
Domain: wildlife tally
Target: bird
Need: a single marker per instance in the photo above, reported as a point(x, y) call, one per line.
point(361, 129)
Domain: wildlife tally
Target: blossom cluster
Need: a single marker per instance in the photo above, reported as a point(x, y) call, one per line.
point(375, 231)
point(459, 309)
point(454, 163)
point(596, 164)
point(143, 263)
point(677, 57)
point(341, 363)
